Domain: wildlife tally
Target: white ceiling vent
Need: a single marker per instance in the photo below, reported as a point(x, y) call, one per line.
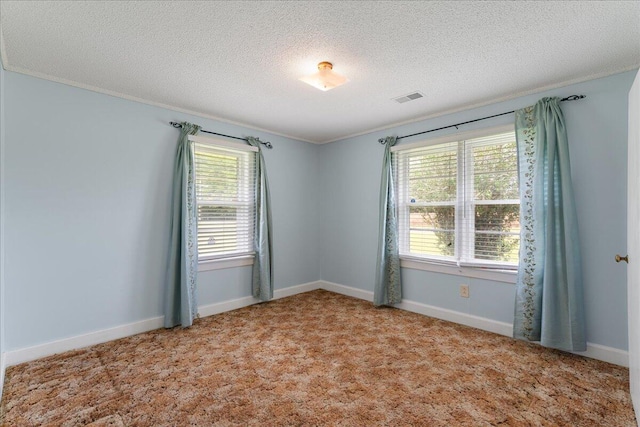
point(410, 97)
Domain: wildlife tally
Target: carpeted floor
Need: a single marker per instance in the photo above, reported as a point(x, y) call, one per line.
point(317, 359)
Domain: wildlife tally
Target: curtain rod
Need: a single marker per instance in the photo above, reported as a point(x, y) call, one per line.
point(266, 144)
point(568, 98)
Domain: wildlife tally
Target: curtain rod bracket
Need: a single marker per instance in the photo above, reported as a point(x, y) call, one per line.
point(266, 144)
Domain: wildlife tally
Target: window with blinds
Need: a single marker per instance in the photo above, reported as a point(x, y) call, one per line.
point(226, 201)
point(458, 201)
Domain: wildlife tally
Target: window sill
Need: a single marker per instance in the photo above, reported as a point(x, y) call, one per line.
point(219, 264)
point(506, 276)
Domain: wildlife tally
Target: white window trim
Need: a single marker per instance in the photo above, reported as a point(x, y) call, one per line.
point(455, 137)
point(221, 143)
point(495, 275)
point(492, 271)
point(232, 260)
point(222, 263)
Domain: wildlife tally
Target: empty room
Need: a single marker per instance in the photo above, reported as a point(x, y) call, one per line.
point(319, 213)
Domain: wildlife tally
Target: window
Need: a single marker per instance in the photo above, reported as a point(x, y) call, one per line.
point(225, 199)
point(458, 200)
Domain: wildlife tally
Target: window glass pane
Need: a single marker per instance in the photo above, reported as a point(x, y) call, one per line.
point(497, 232)
point(224, 193)
point(433, 174)
point(432, 230)
point(495, 178)
point(217, 176)
point(495, 169)
point(460, 200)
point(217, 229)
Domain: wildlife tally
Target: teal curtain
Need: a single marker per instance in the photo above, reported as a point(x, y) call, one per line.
point(181, 305)
point(549, 299)
point(262, 265)
point(387, 288)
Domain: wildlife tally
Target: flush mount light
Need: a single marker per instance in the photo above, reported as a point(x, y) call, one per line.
point(325, 78)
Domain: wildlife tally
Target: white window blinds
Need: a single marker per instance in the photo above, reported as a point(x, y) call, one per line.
point(458, 201)
point(226, 201)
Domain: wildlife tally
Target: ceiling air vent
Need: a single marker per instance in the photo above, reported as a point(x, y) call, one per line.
point(410, 97)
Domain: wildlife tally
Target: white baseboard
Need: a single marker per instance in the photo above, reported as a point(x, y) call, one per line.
point(27, 354)
point(594, 351)
point(478, 322)
point(606, 354)
point(346, 290)
point(14, 357)
point(298, 289)
point(222, 307)
point(483, 323)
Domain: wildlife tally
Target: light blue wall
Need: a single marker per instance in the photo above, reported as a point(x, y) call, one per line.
point(597, 126)
point(88, 181)
point(87, 185)
point(2, 127)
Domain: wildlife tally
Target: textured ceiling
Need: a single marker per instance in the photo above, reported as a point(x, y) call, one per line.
point(240, 61)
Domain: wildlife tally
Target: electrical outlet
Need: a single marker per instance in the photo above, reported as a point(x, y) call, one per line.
point(464, 291)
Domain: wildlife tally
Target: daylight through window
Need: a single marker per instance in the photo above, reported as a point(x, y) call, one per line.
point(458, 201)
point(226, 201)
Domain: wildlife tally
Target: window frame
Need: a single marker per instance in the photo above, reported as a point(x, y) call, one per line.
point(494, 270)
point(231, 259)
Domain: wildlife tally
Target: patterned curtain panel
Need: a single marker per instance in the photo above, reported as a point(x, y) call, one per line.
point(262, 266)
point(181, 305)
point(388, 289)
point(549, 301)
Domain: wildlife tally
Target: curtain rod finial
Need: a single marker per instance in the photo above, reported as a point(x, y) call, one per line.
point(573, 97)
point(266, 144)
point(176, 125)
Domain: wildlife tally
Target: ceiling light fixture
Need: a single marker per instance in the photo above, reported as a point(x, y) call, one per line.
point(325, 79)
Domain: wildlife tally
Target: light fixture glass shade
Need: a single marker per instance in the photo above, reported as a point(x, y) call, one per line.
point(325, 78)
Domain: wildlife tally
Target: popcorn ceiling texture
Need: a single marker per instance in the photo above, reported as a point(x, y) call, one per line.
point(317, 359)
point(240, 61)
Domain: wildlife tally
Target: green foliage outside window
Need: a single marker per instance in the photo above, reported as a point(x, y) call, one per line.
point(433, 179)
point(221, 182)
point(496, 178)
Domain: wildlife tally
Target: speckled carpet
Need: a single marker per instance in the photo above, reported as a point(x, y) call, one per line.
point(317, 359)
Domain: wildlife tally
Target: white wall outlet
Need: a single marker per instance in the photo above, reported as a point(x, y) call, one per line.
point(464, 291)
